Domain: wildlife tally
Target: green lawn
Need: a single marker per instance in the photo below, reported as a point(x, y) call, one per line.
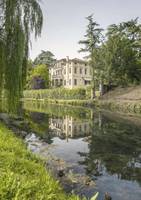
point(23, 175)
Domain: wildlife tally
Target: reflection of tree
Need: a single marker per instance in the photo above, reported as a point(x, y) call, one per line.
point(39, 124)
point(57, 110)
point(115, 147)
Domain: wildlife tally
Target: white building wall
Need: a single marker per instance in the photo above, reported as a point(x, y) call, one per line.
point(74, 73)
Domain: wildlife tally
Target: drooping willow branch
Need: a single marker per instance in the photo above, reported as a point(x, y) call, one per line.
point(19, 18)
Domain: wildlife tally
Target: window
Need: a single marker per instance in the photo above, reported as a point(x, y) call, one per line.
point(70, 82)
point(69, 128)
point(87, 82)
point(80, 70)
point(75, 70)
point(64, 82)
point(70, 70)
point(75, 81)
point(75, 129)
point(85, 71)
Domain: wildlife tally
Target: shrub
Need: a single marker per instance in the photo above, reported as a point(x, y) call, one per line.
point(57, 93)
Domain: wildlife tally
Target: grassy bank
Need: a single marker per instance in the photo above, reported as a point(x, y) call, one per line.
point(59, 93)
point(62, 96)
point(128, 107)
point(23, 175)
point(125, 100)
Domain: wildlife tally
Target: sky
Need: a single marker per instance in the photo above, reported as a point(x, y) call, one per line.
point(65, 22)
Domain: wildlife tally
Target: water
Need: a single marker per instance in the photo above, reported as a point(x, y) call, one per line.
point(102, 147)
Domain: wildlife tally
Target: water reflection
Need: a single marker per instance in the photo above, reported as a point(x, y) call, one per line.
point(114, 148)
point(105, 147)
point(69, 127)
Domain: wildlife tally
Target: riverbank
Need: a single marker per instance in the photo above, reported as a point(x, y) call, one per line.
point(128, 107)
point(80, 146)
point(122, 100)
point(23, 175)
point(71, 102)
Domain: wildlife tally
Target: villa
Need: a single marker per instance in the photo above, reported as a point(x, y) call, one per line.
point(68, 127)
point(70, 73)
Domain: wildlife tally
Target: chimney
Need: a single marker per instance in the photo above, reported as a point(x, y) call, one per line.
point(67, 58)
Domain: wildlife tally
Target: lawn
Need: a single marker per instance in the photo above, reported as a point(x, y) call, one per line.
point(23, 175)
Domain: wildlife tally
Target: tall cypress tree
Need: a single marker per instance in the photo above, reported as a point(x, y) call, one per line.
point(91, 43)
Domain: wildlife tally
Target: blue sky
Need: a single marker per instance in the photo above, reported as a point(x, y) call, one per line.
point(65, 23)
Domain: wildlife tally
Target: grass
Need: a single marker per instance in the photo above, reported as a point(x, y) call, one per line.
point(60, 94)
point(23, 175)
point(132, 93)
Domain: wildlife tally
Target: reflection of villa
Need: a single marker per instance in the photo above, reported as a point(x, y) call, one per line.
point(70, 127)
point(70, 73)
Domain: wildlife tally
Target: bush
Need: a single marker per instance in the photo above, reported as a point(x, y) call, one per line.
point(57, 93)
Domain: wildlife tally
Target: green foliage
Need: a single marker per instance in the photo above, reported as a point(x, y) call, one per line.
point(23, 175)
point(45, 57)
point(28, 75)
point(42, 72)
point(57, 110)
point(18, 20)
point(115, 59)
point(57, 93)
point(118, 58)
point(91, 43)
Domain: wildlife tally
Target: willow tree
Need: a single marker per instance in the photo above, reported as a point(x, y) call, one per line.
point(18, 19)
point(91, 42)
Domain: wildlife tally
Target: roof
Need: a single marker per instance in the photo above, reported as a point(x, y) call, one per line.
point(72, 60)
point(78, 60)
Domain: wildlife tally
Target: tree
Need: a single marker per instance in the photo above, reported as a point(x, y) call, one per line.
point(100, 69)
point(39, 77)
point(45, 57)
point(121, 53)
point(28, 74)
point(19, 18)
point(91, 44)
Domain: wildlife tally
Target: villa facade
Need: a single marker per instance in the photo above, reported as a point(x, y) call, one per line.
point(68, 127)
point(70, 73)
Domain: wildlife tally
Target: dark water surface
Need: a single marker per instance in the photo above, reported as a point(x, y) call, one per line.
point(103, 147)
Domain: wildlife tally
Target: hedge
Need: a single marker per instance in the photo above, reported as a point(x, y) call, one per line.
point(58, 93)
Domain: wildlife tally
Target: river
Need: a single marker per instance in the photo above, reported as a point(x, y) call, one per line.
point(92, 150)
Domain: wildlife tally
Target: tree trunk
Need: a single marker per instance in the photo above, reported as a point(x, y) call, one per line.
point(101, 89)
point(93, 95)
